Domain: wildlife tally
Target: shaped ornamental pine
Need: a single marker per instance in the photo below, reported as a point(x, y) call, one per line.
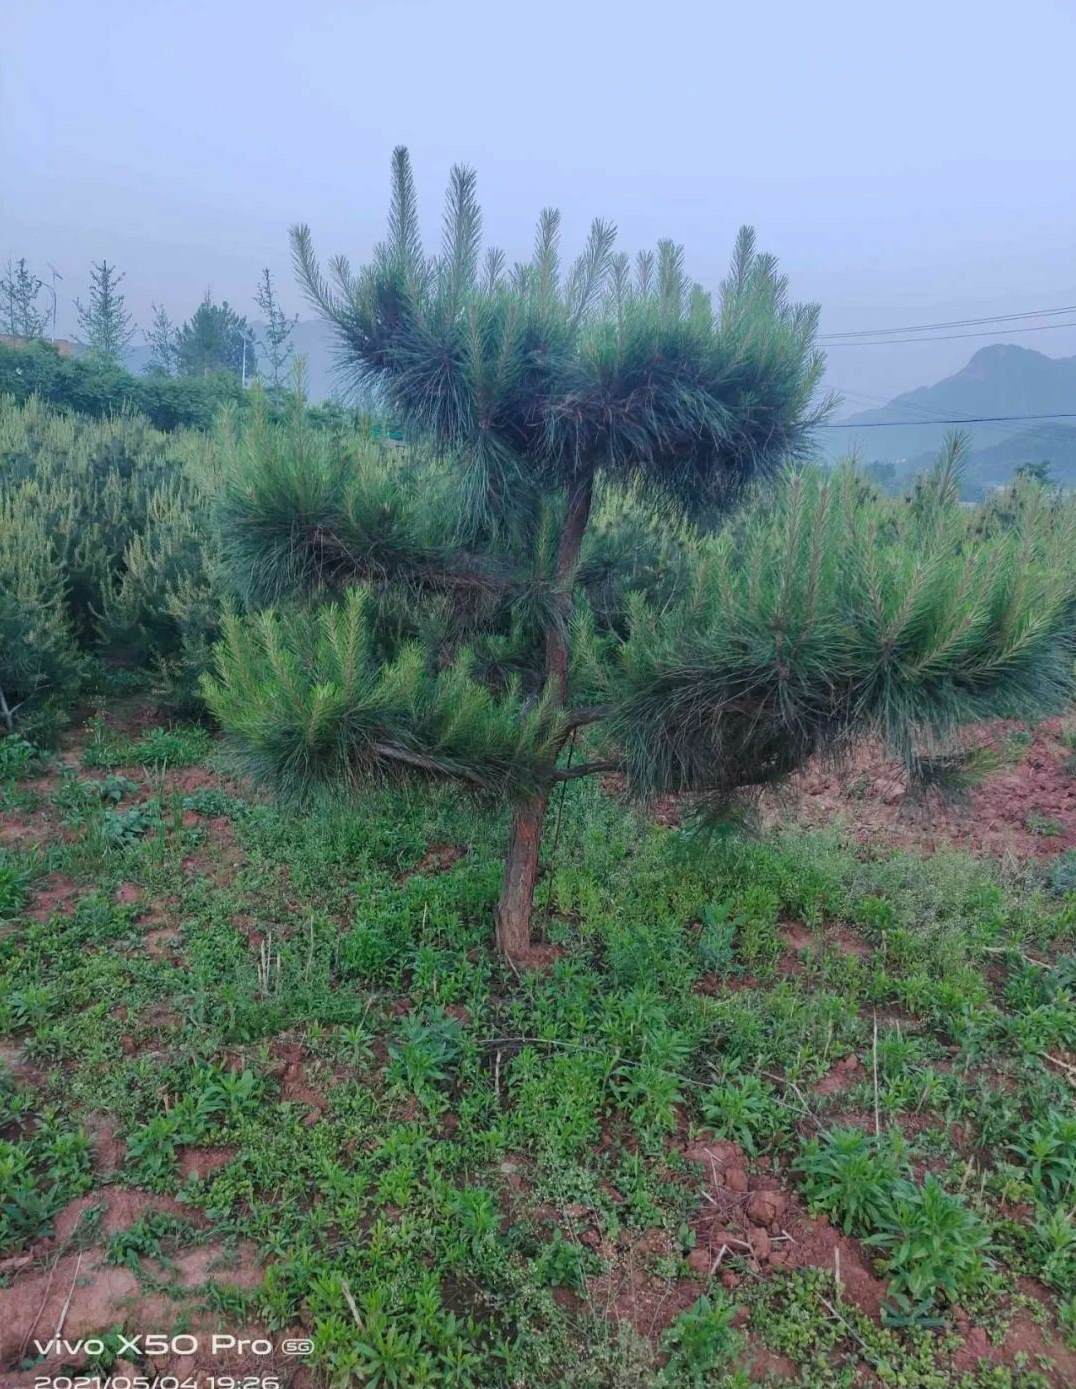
point(553, 559)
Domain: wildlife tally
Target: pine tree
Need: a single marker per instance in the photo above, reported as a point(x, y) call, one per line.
point(104, 322)
point(20, 289)
point(161, 337)
point(215, 338)
point(276, 336)
point(560, 587)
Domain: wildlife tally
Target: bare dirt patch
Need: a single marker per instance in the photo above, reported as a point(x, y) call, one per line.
point(290, 1070)
point(752, 1217)
point(55, 895)
point(438, 858)
point(109, 1149)
point(203, 1162)
point(1005, 815)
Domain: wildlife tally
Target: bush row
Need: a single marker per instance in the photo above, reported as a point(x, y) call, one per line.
point(106, 557)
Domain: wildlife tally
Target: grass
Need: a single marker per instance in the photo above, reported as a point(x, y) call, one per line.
point(454, 1176)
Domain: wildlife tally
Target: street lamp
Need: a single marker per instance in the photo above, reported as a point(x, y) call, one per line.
point(52, 289)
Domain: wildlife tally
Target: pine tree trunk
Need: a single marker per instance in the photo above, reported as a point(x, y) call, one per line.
point(513, 916)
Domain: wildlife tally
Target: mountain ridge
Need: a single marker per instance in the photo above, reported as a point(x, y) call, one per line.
point(1000, 379)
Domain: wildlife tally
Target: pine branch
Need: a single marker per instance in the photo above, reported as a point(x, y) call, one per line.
point(582, 769)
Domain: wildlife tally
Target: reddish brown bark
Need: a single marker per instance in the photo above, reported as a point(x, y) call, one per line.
point(514, 909)
point(513, 916)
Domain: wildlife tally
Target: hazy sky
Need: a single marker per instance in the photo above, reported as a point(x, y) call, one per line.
point(908, 162)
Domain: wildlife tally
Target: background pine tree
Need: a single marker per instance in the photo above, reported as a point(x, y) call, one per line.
point(104, 322)
point(276, 334)
point(20, 291)
point(214, 338)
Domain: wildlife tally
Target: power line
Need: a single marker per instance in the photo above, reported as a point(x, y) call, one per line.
point(965, 419)
point(949, 337)
point(921, 417)
point(951, 323)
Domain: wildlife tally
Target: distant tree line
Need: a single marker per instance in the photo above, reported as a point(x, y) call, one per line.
point(194, 367)
point(215, 340)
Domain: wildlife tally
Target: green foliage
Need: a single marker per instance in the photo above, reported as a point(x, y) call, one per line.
point(17, 871)
point(534, 376)
point(828, 610)
point(215, 339)
point(429, 1100)
point(104, 322)
point(424, 1053)
point(1048, 1149)
point(561, 1264)
point(849, 1177)
point(1052, 1244)
point(568, 543)
point(40, 665)
point(276, 335)
point(701, 1340)
point(716, 942)
point(104, 547)
point(1061, 875)
point(99, 388)
point(745, 1109)
point(932, 1243)
point(20, 311)
point(39, 1173)
point(310, 700)
point(18, 757)
point(178, 746)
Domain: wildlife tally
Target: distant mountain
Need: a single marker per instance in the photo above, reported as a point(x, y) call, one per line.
point(312, 339)
point(999, 380)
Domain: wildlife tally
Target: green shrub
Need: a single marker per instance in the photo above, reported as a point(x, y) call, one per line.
point(701, 1340)
point(18, 757)
point(1048, 1148)
point(848, 1176)
point(15, 875)
point(1052, 1244)
point(105, 551)
point(40, 664)
point(1061, 878)
point(932, 1243)
point(90, 386)
point(746, 1110)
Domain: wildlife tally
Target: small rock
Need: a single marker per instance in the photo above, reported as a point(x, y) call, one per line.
point(736, 1180)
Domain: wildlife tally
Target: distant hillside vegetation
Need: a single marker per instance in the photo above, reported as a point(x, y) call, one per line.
point(999, 380)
